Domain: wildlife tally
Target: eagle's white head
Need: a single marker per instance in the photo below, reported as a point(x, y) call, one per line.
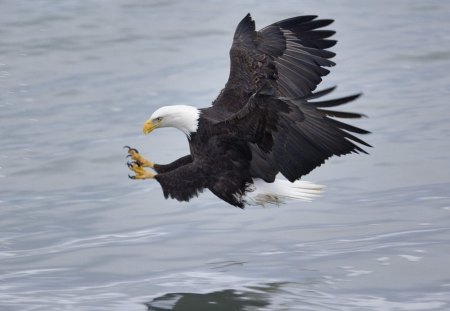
point(185, 118)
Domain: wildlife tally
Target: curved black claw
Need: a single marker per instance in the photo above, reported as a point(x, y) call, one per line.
point(130, 149)
point(134, 163)
point(131, 177)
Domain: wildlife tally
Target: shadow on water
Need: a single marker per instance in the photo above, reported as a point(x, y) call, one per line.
point(223, 300)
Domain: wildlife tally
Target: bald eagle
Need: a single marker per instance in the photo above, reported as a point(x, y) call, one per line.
point(264, 122)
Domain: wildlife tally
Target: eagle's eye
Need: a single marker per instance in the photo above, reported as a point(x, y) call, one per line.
point(159, 119)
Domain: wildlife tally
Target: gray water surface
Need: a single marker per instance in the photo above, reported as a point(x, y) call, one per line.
point(79, 78)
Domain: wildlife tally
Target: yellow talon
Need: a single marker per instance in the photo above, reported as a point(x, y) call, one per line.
point(136, 156)
point(140, 172)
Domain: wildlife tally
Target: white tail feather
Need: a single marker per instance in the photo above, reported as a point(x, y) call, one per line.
point(281, 190)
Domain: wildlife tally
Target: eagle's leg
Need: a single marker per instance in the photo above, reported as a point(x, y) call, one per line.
point(140, 172)
point(136, 156)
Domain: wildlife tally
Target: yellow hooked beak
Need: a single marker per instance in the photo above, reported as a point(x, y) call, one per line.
point(149, 126)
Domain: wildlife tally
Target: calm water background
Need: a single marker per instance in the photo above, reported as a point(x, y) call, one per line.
point(78, 79)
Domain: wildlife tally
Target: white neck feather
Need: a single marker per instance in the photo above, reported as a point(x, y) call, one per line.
point(183, 117)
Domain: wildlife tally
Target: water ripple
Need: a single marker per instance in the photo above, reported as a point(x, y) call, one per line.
point(124, 238)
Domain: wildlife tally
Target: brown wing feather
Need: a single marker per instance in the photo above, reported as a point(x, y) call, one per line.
point(289, 55)
point(293, 136)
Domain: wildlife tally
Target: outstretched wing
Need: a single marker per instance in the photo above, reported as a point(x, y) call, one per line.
point(290, 55)
point(294, 136)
